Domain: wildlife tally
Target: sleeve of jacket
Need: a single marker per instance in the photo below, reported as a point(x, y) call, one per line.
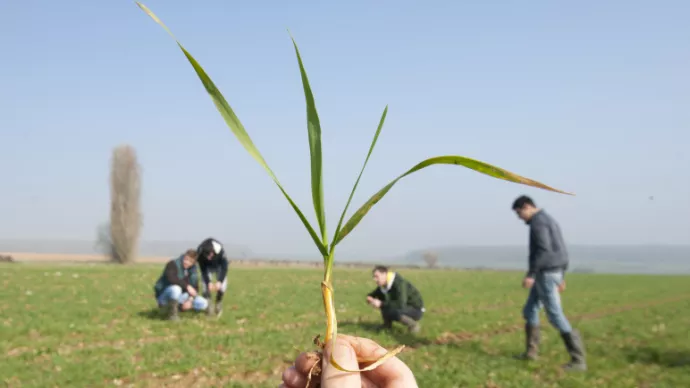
point(539, 256)
point(376, 294)
point(224, 263)
point(171, 275)
point(203, 268)
point(194, 277)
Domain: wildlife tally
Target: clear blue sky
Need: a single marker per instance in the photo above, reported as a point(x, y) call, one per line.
point(591, 97)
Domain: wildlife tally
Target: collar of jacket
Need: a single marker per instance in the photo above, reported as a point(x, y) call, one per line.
point(536, 214)
point(389, 282)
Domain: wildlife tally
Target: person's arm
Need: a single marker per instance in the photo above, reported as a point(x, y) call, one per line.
point(194, 277)
point(203, 268)
point(224, 263)
point(171, 275)
point(376, 294)
point(541, 245)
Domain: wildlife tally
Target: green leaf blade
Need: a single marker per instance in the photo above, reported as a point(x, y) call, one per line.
point(315, 152)
point(237, 128)
point(354, 188)
point(484, 168)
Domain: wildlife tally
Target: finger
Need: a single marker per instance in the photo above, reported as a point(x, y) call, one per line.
point(292, 378)
point(345, 356)
point(392, 373)
point(305, 362)
point(366, 383)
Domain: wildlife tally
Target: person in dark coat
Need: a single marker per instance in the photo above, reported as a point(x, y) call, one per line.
point(213, 260)
point(548, 262)
point(397, 299)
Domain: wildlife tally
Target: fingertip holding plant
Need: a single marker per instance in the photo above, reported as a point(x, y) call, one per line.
point(342, 230)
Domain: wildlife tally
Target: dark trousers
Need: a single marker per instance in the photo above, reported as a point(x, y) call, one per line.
point(390, 315)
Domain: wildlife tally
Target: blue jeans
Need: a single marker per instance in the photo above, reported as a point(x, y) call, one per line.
point(174, 292)
point(545, 292)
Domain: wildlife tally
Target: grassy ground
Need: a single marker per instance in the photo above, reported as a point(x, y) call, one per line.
point(95, 325)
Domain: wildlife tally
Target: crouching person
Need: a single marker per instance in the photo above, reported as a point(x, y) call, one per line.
point(177, 286)
point(213, 261)
point(397, 298)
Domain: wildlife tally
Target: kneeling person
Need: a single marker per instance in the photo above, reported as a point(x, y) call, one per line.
point(397, 299)
point(177, 286)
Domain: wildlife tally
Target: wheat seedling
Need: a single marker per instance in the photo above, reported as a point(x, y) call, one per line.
point(320, 239)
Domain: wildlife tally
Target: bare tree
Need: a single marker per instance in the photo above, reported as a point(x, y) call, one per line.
point(431, 259)
point(125, 213)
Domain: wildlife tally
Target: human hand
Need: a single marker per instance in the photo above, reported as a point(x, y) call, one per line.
point(218, 286)
point(527, 282)
point(191, 291)
point(561, 287)
point(392, 373)
point(211, 287)
point(373, 302)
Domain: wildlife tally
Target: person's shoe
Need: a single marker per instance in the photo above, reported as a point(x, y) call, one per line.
point(173, 309)
point(385, 326)
point(576, 349)
point(532, 339)
point(412, 325)
point(219, 310)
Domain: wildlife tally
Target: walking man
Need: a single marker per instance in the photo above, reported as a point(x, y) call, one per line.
point(212, 260)
point(548, 261)
point(177, 286)
point(397, 298)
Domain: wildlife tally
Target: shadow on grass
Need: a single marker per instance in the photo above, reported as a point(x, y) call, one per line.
point(155, 314)
point(665, 358)
point(159, 314)
point(401, 335)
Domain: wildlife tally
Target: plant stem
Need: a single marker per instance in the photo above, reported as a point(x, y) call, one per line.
point(327, 294)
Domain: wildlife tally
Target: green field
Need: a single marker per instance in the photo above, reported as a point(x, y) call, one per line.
point(95, 325)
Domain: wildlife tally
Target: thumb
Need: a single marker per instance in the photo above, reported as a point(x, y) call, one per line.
point(345, 356)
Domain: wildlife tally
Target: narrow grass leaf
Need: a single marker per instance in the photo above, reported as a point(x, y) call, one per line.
point(314, 132)
point(476, 165)
point(236, 126)
point(354, 188)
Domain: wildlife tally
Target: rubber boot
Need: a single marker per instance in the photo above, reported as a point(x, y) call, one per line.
point(532, 339)
point(219, 309)
point(219, 303)
point(173, 309)
point(386, 325)
point(576, 349)
point(412, 325)
point(209, 308)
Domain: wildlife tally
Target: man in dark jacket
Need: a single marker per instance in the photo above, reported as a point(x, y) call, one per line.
point(212, 259)
point(177, 286)
point(548, 261)
point(397, 299)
